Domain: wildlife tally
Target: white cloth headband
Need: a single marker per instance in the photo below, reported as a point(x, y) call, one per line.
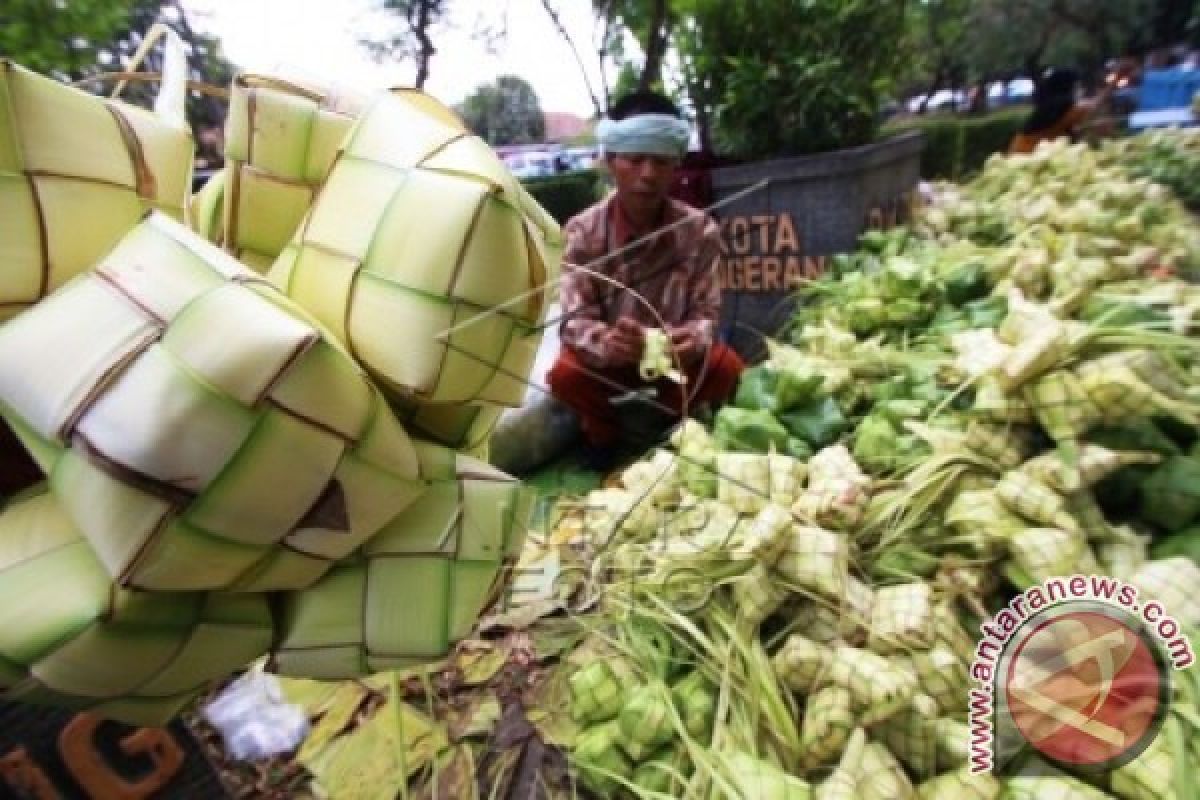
point(652, 134)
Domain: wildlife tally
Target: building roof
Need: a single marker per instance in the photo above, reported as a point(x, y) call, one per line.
point(562, 125)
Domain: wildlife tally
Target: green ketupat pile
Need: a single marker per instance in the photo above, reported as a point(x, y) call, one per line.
point(1005, 391)
point(1170, 157)
point(260, 434)
point(783, 663)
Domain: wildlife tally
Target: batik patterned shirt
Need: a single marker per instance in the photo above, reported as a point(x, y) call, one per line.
point(674, 269)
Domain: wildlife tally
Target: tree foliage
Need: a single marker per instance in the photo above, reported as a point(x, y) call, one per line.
point(412, 38)
point(1174, 20)
point(505, 112)
point(992, 39)
point(789, 76)
point(953, 43)
point(769, 77)
point(82, 38)
point(939, 34)
point(63, 40)
point(650, 23)
point(1009, 37)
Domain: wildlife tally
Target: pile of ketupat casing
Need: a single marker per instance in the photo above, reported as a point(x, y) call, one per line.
point(1170, 157)
point(261, 411)
point(1005, 391)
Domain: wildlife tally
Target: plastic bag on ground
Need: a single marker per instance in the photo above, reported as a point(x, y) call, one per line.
point(254, 720)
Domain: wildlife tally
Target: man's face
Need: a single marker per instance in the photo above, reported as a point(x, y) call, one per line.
point(642, 180)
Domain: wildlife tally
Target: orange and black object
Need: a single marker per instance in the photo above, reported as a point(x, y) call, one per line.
point(49, 754)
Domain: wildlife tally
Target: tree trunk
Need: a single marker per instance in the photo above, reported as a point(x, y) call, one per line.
point(704, 131)
point(1033, 67)
point(656, 46)
point(700, 105)
point(427, 50)
point(610, 14)
point(979, 103)
point(703, 118)
point(1033, 59)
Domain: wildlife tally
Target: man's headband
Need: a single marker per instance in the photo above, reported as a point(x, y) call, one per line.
point(651, 134)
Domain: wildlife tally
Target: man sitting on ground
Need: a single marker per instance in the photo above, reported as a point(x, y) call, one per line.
point(637, 250)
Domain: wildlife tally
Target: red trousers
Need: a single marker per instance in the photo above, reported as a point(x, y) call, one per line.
point(587, 391)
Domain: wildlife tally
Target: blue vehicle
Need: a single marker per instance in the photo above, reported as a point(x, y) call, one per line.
point(1165, 98)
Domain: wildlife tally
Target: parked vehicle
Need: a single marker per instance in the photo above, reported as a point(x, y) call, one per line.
point(534, 164)
point(1018, 90)
point(581, 157)
point(941, 100)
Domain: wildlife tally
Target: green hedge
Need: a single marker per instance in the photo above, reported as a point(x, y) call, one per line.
point(956, 146)
point(566, 195)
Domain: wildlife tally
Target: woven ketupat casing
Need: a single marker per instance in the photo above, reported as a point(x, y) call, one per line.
point(828, 721)
point(995, 404)
point(961, 784)
point(744, 481)
point(880, 686)
point(645, 719)
point(70, 638)
point(1151, 775)
point(76, 173)
point(280, 141)
point(757, 596)
point(1062, 405)
point(205, 209)
point(1172, 581)
point(1050, 787)
point(816, 619)
point(465, 428)
point(816, 563)
point(942, 676)
point(419, 585)
point(982, 512)
point(597, 692)
point(427, 258)
point(911, 735)
point(1043, 553)
point(802, 663)
point(901, 618)
point(201, 432)
point(880, 775)
point(1125, 385)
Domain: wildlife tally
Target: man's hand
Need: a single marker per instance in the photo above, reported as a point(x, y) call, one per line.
point(624, 342)
point(688, 346)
